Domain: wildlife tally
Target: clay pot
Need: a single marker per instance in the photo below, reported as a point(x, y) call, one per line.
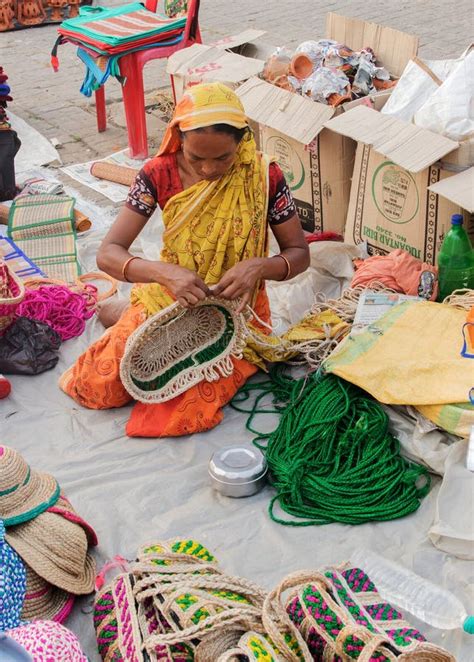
point(301, 66)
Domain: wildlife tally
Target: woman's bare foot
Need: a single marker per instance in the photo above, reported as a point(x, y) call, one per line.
point(109, 311)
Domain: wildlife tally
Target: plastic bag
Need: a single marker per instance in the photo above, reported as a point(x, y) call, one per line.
point(413, 89)
point(450, 109)
point(324, 82)
point(316, 50)
point(28, 347)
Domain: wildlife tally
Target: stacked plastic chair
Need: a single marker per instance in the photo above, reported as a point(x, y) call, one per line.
point(119, 41)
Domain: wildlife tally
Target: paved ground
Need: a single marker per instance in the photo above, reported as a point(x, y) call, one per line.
point(52, 103)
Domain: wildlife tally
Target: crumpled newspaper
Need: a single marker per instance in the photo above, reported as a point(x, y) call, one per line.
point(323, 82)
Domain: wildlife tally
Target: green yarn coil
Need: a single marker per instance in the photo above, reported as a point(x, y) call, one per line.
point(332, 457)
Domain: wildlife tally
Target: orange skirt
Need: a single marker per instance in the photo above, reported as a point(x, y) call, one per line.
point(94, 382)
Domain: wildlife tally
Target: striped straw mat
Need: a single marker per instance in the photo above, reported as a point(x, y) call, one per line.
point(43, 228)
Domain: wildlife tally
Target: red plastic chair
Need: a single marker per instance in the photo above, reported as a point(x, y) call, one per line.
point(131, 68)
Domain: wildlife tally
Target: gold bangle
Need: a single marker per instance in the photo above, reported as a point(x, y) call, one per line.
point(125, 266)
point(288, 266)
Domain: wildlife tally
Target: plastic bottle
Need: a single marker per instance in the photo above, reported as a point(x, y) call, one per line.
point(455, 260)
point(405, 589)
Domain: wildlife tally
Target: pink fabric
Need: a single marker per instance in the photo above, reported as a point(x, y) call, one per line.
point(398, 271)
point(47, 641)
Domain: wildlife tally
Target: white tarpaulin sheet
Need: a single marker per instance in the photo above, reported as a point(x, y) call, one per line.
point(134, 491)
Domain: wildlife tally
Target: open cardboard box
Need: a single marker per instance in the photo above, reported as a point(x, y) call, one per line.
point(402, 195)
point(230, 60)
point(317, 162)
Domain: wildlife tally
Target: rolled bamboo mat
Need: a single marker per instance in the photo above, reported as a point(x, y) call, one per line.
point(82, 222)
point(114, 173)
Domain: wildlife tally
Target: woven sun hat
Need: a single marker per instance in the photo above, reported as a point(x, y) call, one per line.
point(43, 600)
point(56, 549)
point(12, 584)
point(180, 347)
point(46, 641)
point(64, 508)
point(24, 493)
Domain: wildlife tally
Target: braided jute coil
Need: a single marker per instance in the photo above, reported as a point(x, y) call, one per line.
point(56, 549)
point(24, 492)
point(179, 347)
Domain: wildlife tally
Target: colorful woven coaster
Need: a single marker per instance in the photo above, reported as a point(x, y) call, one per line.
point(43, 227)
point(180, 347)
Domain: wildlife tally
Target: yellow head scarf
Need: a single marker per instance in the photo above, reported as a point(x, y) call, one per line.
point(202, 106)
point(212, 225)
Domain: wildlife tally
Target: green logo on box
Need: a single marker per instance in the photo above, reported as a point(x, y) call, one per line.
point(395, 193)
point(288, 160)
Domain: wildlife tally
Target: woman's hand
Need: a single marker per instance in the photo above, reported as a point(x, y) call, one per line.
point(240, 281)
point(185, 285)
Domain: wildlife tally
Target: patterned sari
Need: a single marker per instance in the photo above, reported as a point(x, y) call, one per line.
point(209, 227)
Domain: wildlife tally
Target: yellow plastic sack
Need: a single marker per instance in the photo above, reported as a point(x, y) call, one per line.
point(411, 356)
point(456, 418)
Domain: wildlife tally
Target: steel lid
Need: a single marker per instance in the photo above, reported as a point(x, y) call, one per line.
point(237, 464)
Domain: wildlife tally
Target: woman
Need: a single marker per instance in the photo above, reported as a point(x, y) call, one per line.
point(218, 194)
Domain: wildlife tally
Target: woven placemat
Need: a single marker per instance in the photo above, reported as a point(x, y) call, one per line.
point(180, 347)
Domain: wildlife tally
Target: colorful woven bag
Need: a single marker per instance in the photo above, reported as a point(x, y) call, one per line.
point(179, 347)
point(172, 599)
point(337, 615)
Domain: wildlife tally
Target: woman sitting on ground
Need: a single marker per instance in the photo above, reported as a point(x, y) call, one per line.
point(218, 196)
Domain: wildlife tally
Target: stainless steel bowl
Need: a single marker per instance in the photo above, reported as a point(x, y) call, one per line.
point(238, 471)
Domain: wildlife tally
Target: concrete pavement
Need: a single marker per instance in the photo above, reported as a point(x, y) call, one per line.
point(52, 103)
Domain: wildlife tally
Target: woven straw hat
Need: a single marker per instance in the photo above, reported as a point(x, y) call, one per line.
point(56, 549)
point(24, 493)
point(179, 347)
point(64, 508)
point(43, 600)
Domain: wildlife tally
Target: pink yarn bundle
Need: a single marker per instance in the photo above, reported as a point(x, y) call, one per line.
point(62, 309)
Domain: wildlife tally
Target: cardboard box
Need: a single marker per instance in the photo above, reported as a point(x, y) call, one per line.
point(219, 61)
point(317, 162)
point(402, 196)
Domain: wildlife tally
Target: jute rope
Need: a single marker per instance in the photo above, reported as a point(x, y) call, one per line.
point(463, 299)
point(314, 352)
point(332, 457)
